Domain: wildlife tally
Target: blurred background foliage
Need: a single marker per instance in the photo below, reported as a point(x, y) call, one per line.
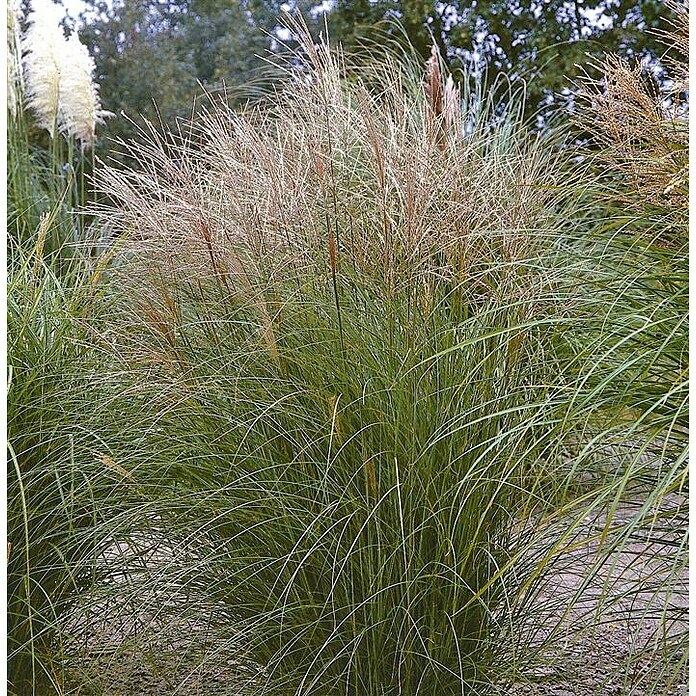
point(153, 58)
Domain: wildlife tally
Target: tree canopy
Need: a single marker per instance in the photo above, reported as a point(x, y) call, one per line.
point(162, 52)
point(542, 41)
point(153, 57)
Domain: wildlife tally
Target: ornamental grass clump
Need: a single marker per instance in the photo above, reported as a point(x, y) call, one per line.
point(61, 498)
point(335, 309)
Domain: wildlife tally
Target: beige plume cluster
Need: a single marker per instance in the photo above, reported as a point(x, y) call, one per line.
point(644, 128)
point(444, 104)
point(59, 76)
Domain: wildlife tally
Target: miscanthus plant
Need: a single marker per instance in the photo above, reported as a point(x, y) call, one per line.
point(402, 355)
point(340, 307)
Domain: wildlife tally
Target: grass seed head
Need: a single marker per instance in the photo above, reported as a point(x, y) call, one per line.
point(43, 46)
point(79, 106)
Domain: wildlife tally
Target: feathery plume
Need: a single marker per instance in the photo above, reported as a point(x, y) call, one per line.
point(443, 104)
point(677, 35)
point(79, 108)
point(43, 46)
point(451, 103)
point(643, 129)
point(433, 82)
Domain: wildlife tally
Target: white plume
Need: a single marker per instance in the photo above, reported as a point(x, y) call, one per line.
point(79, 107)
point(59, 74)
point(43, 47)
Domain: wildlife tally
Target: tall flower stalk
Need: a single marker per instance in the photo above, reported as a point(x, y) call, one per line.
point(50, 76)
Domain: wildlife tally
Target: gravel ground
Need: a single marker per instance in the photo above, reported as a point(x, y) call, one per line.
point(612, 641)
point(172, 647)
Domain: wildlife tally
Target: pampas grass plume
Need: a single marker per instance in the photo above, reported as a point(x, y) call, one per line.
point(79, 108)
point(59, 76)
point(43, 48)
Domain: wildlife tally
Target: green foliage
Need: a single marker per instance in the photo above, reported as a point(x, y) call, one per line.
point(58, 488)
point(44, 189)
point(360, 489)
point(61, 492)
point(544, 43)
point(154, 59)
point(376, 362)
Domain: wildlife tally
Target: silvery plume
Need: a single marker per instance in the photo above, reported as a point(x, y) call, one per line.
point(79, 108)
point(43, 47)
